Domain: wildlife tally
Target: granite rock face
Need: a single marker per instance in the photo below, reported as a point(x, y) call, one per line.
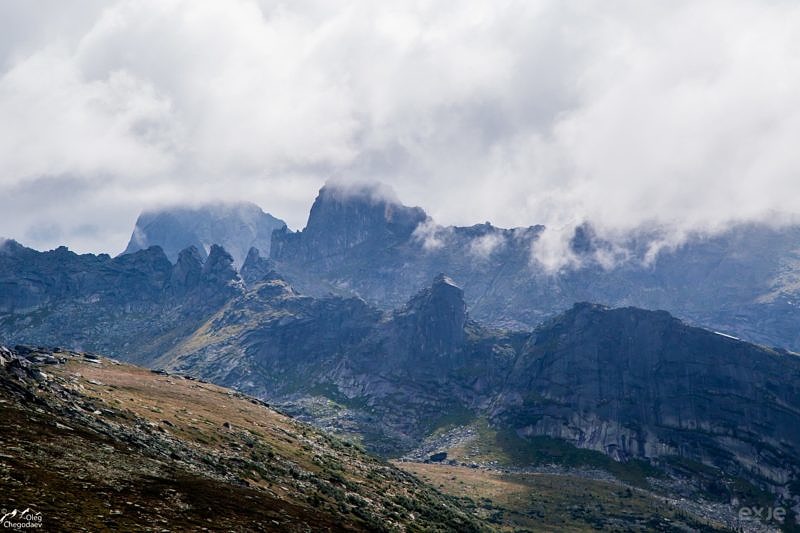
point(255, 267)
point(635, 383)
point(625, 382)
point(435, 318)
point(743, 281)
point(235, 226)
point(130, 306)
point(344, 218)
point(188, 270)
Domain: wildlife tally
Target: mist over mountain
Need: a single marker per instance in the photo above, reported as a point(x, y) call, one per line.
point(237, 226)
point(742, 281)
point(360, 240)
point(404, 268)
point(622, 115)
point(626, 387)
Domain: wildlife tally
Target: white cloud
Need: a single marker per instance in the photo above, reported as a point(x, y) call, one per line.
point(626, 114)
point(484, 246)
point(431, 235)
point(63, 124)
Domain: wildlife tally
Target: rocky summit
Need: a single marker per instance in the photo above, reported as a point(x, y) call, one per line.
point(236, 226)
point(634, 383)
point(362, 241)
point(347, 217)
point(131, 306)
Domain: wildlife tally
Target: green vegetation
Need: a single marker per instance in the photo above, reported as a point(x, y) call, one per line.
point(547, 450)
point(549, 502)
point(507, 448)
point(186, 456)
point(455, 416)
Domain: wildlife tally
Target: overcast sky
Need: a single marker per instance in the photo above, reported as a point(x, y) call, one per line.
point(555, 112)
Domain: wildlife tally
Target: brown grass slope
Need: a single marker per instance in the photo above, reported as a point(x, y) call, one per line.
point(96, 445)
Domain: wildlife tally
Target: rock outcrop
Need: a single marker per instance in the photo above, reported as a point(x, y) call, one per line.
point(363, 242)
point(435, 319)
point(345, 217)
point(188, 270)
point(130, 306)
point(633, 383)
point(235, 226)
point(255, 267)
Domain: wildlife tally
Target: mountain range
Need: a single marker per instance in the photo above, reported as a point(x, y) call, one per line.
point(360, 240)
point(357, 241)
point(421, 341)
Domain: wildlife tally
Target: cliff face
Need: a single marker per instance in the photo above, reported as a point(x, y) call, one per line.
point(128, 306)
point(434, 319)
point(634, 383)
point(742, 281)
point(626, 382)
point(235, 226)
point(347, 217)
point(255, 267)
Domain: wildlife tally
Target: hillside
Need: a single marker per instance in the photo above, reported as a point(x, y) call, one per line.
point(91, 444)
point(94, 444)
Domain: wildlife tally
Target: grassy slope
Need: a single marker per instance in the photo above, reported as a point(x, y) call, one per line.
point(111, 446)
point(549, 502)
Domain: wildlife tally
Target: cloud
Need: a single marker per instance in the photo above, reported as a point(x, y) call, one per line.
point(681, 116)
point(484, 246)
point(431, 235)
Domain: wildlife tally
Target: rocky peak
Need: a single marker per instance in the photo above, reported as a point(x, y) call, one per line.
point(8, 246)
point(584, 315)
point(188, 269)
point(366, 205)
point(271, 285)
point(218, 267)
point(237, 226)
point(151, 263)
point(255, 267)
point(437, 316)
point(584, 239)
point(344, 216)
